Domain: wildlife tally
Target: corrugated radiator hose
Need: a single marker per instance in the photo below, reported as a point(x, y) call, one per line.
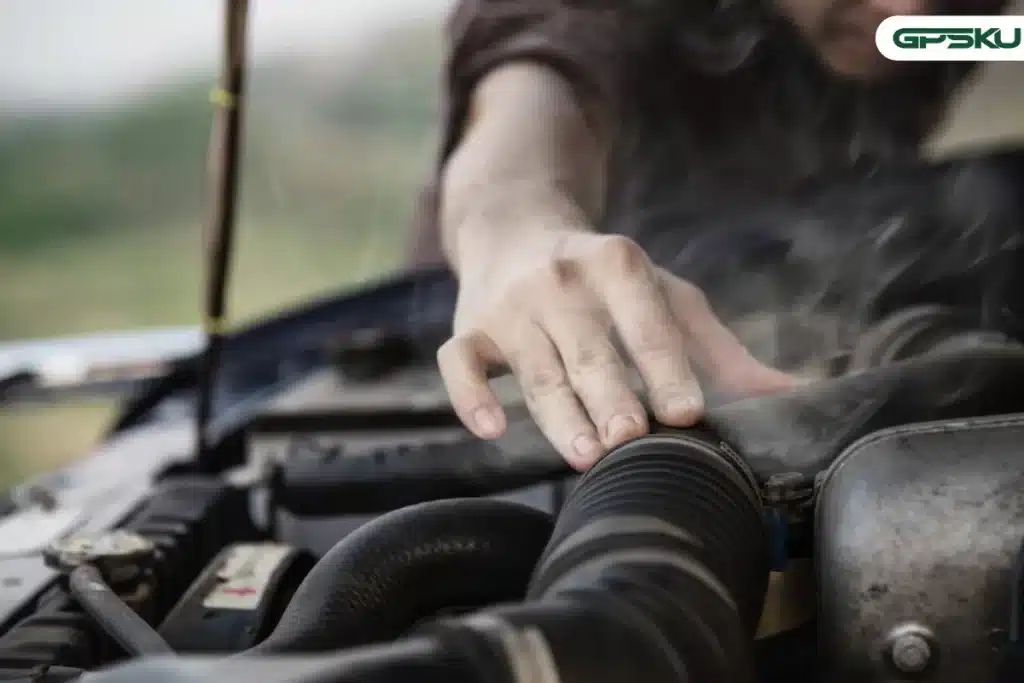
point(408, 565)
point(656, 571)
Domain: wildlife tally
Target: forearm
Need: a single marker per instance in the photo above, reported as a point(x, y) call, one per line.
point(529, 150)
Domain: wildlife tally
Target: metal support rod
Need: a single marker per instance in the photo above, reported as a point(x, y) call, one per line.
point(223, 172)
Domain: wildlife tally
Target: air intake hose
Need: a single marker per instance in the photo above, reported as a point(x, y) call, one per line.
point(669, 531)
point(656, 571)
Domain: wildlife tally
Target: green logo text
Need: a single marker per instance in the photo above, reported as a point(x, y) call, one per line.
point(956, 38)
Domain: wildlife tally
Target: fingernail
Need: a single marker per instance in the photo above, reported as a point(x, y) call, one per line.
point(587, 448)
point(622, 427)
point(487, 421)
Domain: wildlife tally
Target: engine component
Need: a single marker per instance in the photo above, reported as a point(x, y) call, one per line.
point(121, 557)
point(918, 530)
point(188, 519)
point(373, 353)
point(347, 448)
point(238, 599)
point(656, 571)
point(797, 434)
point(112, 614)
point(665, 536)
point(920, 330)
point(392, 477)
point(94, 564)
point(407, 566)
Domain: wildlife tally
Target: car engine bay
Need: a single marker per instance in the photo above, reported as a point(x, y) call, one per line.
point(383, 543)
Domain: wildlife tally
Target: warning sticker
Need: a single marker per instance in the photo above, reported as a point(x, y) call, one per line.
point(245, 576)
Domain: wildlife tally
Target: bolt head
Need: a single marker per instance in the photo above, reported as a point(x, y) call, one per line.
point(911, 653)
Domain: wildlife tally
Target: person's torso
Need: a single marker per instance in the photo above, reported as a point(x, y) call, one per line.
point(699, 144)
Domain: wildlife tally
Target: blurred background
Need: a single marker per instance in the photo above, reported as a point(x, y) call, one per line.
point(104, 122)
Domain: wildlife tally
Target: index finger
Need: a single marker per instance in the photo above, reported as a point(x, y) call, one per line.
point(463, 361)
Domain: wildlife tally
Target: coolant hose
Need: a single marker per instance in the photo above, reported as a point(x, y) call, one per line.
point(407, 565)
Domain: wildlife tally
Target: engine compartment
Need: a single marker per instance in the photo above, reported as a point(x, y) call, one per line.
point(669, 560)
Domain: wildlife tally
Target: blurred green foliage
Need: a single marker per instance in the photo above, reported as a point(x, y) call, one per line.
point(102, 211)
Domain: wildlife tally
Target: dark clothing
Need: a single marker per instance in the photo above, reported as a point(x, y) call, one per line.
point(723, 114)
point(713, 109)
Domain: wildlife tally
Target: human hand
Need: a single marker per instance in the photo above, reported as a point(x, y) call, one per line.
point(554, 312)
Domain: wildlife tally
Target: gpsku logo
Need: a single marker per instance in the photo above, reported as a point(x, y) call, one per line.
point(952, 38)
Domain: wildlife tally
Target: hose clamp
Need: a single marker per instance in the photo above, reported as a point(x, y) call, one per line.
point(526, 649)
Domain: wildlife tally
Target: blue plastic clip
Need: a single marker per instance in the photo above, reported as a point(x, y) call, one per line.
point(778, 526)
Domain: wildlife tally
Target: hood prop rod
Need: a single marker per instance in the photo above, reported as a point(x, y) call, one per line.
point(222, 175)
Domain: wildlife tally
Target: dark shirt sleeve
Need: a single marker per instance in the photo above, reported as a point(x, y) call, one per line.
point(587, 46)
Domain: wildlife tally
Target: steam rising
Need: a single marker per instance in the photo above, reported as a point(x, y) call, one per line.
point(800, 281)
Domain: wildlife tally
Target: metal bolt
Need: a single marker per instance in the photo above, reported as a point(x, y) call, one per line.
point(911, 653)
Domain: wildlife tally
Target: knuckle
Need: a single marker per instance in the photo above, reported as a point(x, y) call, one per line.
point(564, 272)
point(557, 276)
point(546, 381)
point(622, 256)
point(590, 357)
point(540, 383)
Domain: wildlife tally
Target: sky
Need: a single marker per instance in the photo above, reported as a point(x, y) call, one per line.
point(69, 52)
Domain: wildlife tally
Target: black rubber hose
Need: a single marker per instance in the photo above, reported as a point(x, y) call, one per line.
point(667, 531)
point(407, 566)
point(118, 620)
